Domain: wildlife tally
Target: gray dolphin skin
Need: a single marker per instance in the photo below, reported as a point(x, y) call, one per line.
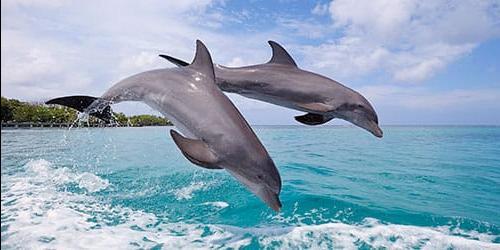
point(281, 82)
point(215, 134)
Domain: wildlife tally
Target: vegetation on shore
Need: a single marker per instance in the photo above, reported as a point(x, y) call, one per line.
point(15, 111)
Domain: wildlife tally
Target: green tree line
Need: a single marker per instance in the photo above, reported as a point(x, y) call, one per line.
point(13, 110)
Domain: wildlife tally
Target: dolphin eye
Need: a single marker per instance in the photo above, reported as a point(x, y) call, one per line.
point(259, 177)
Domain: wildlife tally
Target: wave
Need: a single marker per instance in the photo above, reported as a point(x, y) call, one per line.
point(41, 172)
point(37, 212)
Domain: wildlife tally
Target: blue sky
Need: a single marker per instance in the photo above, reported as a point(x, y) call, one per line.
point(418, 62)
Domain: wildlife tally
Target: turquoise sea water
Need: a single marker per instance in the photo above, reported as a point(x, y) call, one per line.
point(418, 187)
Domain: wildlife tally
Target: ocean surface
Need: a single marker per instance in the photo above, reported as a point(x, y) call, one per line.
point(131, 188)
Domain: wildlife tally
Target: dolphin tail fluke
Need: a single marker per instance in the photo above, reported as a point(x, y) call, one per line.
point(176, 61)
point(94, 106)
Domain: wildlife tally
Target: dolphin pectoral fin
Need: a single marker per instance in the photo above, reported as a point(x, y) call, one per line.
point(313, 119)
point(315, 106)
point(196, 151)
point(176, 61)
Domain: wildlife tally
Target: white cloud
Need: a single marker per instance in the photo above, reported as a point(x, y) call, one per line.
point(53, 48)
point(320, 9)
point(33, 3)
point(454, 97)
point(420, 98)
point(305, 28)
point(345, 56)
point(33, 67)
point(83, 47)
point(381, 19)
point(424, 61)
point(410, 39)
point(418, 104)
point(236, 62)
point(35, 63)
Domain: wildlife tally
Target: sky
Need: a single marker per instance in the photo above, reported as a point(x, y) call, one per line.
point(430, 62)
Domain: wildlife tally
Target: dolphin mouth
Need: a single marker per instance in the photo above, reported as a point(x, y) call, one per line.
point(372, 127)
point(261, 190)
point(270, 198)
point(377, 131)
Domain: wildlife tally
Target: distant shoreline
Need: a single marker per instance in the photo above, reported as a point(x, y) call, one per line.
point(27, 125)
point(18, 114)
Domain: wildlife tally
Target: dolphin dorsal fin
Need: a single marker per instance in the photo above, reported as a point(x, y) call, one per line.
point(280, 56)
point(202, 61)
point(178, 62)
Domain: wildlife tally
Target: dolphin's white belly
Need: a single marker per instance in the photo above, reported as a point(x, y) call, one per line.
point(179, 125)
point(274, 100)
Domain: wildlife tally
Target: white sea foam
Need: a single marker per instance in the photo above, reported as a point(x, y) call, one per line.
point(41, 172)
point(374, 234)
point(186, 193)
point(91, 182)
point(217, 204)
point(40, 215)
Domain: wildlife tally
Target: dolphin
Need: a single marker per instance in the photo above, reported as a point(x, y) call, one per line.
point(214, 133)
point(280, 81)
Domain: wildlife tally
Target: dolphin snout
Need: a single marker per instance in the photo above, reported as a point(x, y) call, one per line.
point(270, 186)
point(368, 125)
point(270, 198)
point(260, 185)
point(376, 131)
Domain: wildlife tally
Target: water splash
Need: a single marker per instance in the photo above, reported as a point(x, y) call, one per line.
point(98, 106)
point(187, 193)
point(114, 120)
